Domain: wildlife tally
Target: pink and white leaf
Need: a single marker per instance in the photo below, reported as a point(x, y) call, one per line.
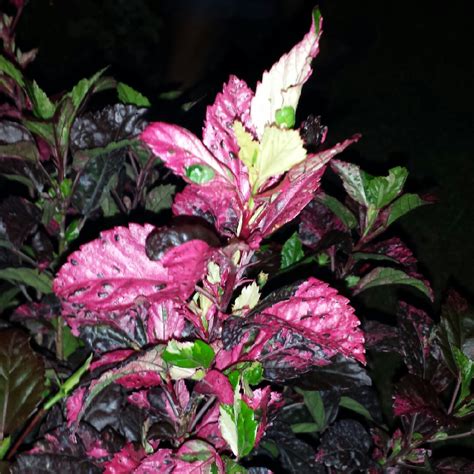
point(290, 197)
point(180, 149)
point(281, 86)
point(318, 313)
point(114, 272)
point(161, 461)
point(197, 449)
point(232, 104)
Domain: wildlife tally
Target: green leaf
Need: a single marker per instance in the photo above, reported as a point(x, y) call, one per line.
point(285, 117)
point(466, 370)
point(72, 231)
point(8, 298)
point(253, 373)
point(317, 19)
point(292, 251)
point(355, 406)
point(66, 187)
point(390, 276)
point(21, 380)
point(83, 88)
point(42, 129)
point(305, 427)
point(382, 190)
point(27, 276)
point(315, 405)
point(200, 174)
point(352, 180)
point(128, 95)
point(238, 427)
point(43, 108)
point(24, 150)
point(11, 70)
point(342, 212)
point(231, 467)
point(4, 447)
point(160, 198)
point(189, 355)
point(358, 256)
point(402, 206)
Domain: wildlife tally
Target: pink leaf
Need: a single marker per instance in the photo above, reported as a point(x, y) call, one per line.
point(114, 272)
point(319, 314)
point(113, 357)
point(220, 206)
point(180, 149)
point(160, 462)
point(281, 86)
point(217, 384)
point(297, 189)
point(140, 399)
point(190, 458)
point(74, 405)
point(232, 104)
point(124, 461)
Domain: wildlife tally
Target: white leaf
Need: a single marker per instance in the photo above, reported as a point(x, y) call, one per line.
point(281, 86)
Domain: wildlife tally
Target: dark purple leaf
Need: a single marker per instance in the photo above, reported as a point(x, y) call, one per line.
point(43, 248)
point(381, 337)
point(415, 328)
point(317, 221)
point(453, 465)
point(111, 124)
point(18, 219)
point(456, 328)
point(48, 463)
point(110, 409)
point(345, 447)
point(296, 456)
point(341, 373)
point(80, 452)
point(416, 397)
point(23, 171)
point(13, 132)
point(101, 338)
point(21, 380)
point(313, 132)
point(184, 230)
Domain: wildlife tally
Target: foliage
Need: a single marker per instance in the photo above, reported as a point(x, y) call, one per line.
point(211, 344)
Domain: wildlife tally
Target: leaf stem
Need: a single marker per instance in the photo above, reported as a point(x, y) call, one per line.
point(34, 421)
point(202, 412)
point(455, 394)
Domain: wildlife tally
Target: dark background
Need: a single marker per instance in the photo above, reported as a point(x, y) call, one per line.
point(399, 72)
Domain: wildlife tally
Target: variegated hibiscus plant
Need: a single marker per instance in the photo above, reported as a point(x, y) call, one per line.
point(202, 358)
point(203, 347)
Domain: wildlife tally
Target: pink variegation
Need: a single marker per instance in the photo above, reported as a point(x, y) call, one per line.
point(114, 272)
point(229, 198)
point(315, 313)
